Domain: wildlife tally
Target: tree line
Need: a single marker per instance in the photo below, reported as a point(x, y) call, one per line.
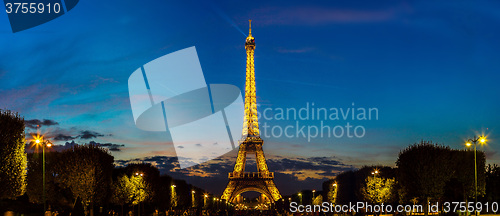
point(83, 180)
point(425, 172)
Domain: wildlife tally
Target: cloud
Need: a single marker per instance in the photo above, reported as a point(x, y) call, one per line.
point(110, 146)
point(62, 137)
point(289, 171)
point(59, 134)
point(87, 134)
point(32, 123)
point(68, 145)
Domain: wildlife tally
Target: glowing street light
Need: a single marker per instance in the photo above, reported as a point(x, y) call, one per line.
point(139, 204)
point(205, 200)
point(193, 201)
point(39, 141)
point(314, 191)
point(469, 143)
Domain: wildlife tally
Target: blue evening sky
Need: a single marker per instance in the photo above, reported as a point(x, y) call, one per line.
point(431, 68)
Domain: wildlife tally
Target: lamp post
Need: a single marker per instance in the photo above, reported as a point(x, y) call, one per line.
point(314, 191)
point(334, 199)
point(469, 143)
point(205, 200)
point(139, 204)
point(300, 198)
point(39, 141)
point(193, 204)
point(173, 197)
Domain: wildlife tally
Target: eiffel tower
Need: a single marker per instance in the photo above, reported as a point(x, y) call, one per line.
point(239, 180)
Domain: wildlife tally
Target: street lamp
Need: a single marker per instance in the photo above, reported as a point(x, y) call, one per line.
point(205, 200)
point(469, 143)
point(193, 204)
point(300, 198)
point(39, 141)
point(139, 204)
point(173, 197)
point(314, 191)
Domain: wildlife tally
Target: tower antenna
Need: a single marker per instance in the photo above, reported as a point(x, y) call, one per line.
point(250, 27)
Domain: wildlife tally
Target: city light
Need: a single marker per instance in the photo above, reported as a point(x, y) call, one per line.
point(39, 141)
point(482, 140)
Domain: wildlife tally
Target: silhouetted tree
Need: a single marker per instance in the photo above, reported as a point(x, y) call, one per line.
point(12, 155)
point(346, 187)
point(423, 170)
point(56, 194)
point(492, 183)
point(462, 182)
point(86, 170)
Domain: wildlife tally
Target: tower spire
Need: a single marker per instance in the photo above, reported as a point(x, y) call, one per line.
point(250, 122)
point(249, 27)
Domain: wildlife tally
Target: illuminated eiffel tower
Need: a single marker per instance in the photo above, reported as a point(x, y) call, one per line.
point(239, 180)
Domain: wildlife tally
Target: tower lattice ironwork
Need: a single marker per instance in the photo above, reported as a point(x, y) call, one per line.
point(261, 181)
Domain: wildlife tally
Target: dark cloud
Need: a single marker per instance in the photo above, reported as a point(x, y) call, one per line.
point(32, 123)
point(87, 134)
point(110, 146)
point(63, 137)
point(289, 171)
point(69, 145)
point(60, 134)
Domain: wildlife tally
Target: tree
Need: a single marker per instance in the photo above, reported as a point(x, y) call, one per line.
point(150, 176)
point(56, 195)
point(129, 190)
point(462, 182)
point(330, 191)
point(12, 155)
point(86, 170)
point(378, 190)
point(423, 170)
point(122, 191)
point(317, 200)
point(493, 183)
